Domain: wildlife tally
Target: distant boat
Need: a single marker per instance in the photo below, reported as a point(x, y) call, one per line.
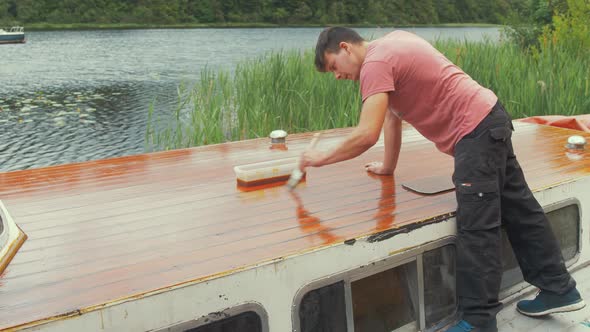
point(13, 36)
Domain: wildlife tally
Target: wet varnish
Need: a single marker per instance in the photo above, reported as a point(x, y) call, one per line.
point(108, 230)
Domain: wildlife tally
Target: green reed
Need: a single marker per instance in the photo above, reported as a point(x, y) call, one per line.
point(282, 90)
point(547, 82)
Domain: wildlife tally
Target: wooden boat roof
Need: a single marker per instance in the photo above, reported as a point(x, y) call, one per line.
point(109, 230)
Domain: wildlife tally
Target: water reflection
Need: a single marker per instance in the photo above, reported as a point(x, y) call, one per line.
point(311, 224)
point(575, 155)
point(385, 216)
point(63, 126)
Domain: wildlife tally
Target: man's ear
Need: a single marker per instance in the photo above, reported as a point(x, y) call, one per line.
point(344, 46)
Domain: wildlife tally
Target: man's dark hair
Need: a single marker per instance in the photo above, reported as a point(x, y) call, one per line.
point(329, 41)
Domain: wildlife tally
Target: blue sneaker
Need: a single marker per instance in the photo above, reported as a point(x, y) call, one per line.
point(548, 303)
point(464, 326)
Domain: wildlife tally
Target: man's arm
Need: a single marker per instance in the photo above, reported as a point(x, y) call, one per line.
point(364, 136)
point(392, 132)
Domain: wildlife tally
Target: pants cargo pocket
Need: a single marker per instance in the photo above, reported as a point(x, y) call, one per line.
point(504, 135)
point(478, 205)
point(501, 133)
point(479, 261)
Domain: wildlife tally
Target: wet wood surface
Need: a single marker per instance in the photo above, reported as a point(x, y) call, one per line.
point(107, 230)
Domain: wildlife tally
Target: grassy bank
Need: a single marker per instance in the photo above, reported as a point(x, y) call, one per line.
point(283, 91)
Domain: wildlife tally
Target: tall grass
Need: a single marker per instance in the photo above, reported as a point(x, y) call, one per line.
point(553, 81)
point(283, 91)
point(276, 91)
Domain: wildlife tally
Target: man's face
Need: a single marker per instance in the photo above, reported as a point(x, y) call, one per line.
point(344, 64)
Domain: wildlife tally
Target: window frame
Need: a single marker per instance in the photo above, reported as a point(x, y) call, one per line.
point(213, 317)
point(395, 259)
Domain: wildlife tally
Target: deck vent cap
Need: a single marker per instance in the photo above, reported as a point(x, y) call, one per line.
point(576, 142)
point(278, 136)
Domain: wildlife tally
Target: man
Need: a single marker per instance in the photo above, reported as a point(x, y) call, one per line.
point(404, 77)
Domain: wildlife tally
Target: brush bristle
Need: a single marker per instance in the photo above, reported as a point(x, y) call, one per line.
point(294, 179)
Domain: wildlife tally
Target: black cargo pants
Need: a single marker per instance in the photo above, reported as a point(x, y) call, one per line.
point(491, 190)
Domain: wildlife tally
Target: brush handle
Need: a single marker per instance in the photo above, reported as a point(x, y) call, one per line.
point(297, 174)
point(314, 141)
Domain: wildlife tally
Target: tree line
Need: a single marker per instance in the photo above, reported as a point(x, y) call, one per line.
point(280, 12)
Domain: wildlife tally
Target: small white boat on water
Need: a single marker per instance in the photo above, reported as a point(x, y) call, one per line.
point(14, 35)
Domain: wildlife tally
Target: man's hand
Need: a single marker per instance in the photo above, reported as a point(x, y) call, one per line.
point(377, 168)
point(313, 158)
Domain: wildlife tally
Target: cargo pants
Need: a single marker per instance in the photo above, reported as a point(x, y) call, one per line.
point(491, 191)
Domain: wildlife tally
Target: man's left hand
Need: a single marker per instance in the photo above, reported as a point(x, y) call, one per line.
point(378, 168)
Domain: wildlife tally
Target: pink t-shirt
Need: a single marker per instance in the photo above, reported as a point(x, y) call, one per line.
point(425, 88)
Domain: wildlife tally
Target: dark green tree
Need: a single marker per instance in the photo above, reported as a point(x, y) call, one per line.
point(275, 11)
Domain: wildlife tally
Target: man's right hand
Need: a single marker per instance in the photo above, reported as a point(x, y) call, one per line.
point(313, 158)
point(378, 168)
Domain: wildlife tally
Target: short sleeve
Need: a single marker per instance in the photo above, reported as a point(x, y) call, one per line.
point(376, 77)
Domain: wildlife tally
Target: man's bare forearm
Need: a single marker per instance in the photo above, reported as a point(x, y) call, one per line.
point(354, 145)
point(392, 132)
point(364, 136)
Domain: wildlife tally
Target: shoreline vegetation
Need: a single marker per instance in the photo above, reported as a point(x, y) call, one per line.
point(541, 67)
point(134, 26)
point(282, 90)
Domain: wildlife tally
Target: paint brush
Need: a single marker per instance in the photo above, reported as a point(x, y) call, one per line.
point(297, 174)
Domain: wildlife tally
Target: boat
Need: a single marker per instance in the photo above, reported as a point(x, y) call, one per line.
point(168, 241)
point(14, 35)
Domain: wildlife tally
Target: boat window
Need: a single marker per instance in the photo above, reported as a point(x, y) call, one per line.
point(565, 223)
point(324, 309)
point(1, 225)
point(386, 301)
point(440, 301)
point(246, 321)
point(409, 292)
point(389, 301)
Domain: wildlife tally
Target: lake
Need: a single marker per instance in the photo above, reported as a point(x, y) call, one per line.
point(73, 96)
